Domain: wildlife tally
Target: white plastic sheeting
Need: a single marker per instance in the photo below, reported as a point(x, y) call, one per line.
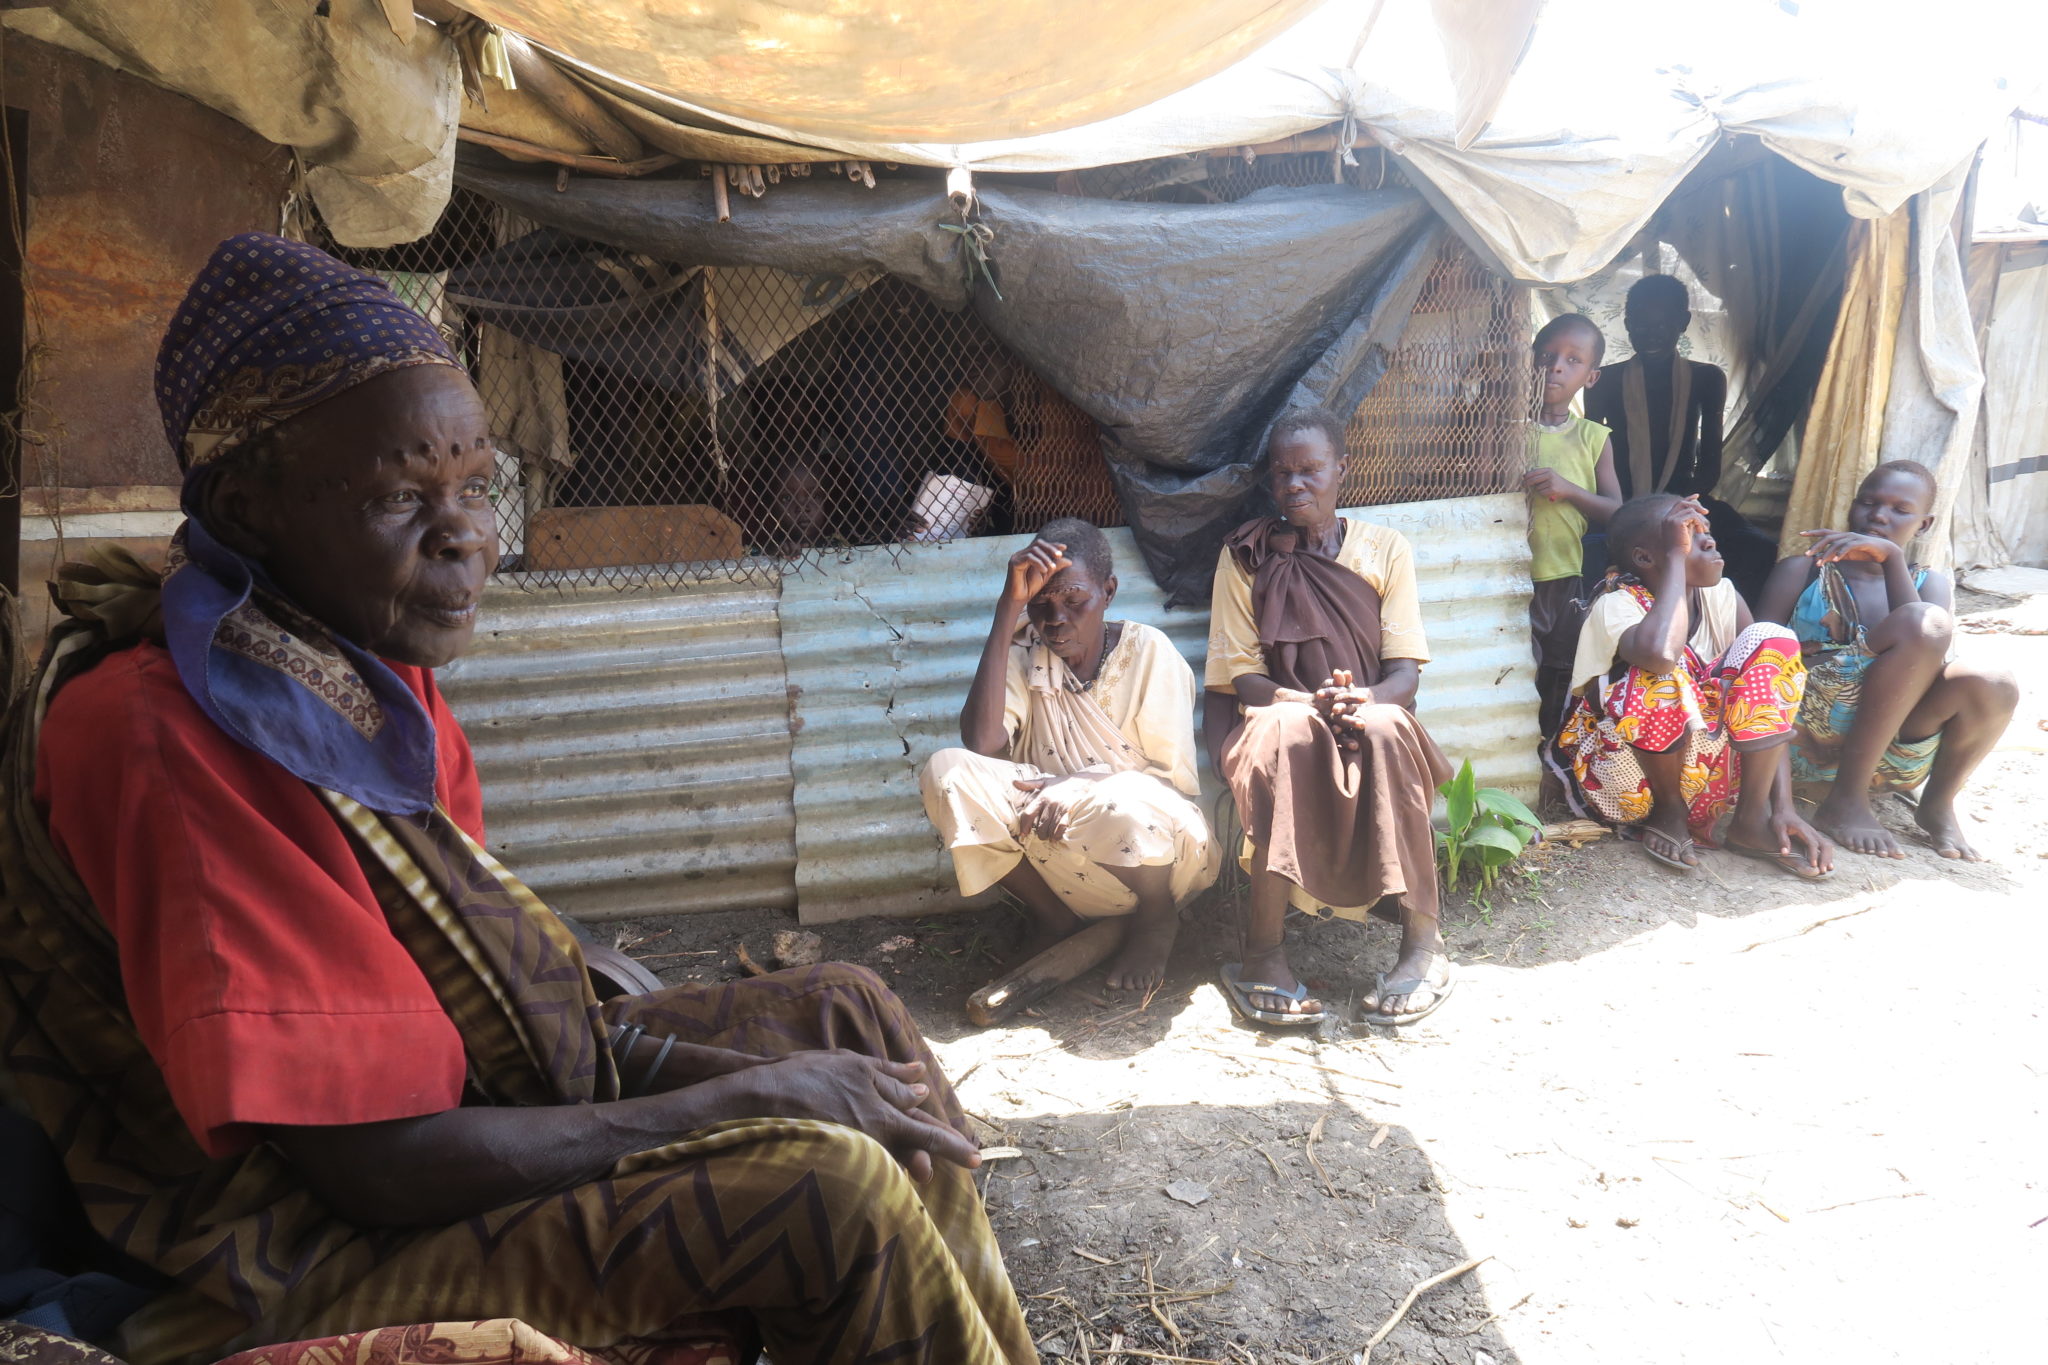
point(879, 655)
point(1611, 104)
point(2012, 183)
point(2002, 512)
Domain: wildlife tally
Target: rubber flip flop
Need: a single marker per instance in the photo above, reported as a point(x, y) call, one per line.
point(1677, 862)
point(1239, 994)
point(1790, 863)
point(1382, 988)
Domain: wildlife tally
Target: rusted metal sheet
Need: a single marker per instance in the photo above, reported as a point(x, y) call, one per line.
point(130, 188)
point(634, 745)
point(880, 648)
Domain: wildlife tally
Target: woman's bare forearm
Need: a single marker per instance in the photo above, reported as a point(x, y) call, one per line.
point(981, 719)
point(1256, 689)
point(1657, 642)
point(441, 1168)
point(1399, 683)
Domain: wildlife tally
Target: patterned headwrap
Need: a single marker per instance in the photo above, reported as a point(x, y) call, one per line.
point(269, 329)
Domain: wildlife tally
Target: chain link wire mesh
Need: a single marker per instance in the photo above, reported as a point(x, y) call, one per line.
point(1449, 417)
point(661, 422)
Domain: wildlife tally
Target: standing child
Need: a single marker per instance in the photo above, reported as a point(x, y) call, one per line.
point(1683, 706)
point(1666, 414)
point(1885, 710)
point(1571, 485)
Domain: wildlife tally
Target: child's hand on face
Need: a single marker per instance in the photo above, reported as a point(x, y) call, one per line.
point(1833, 547)
point(1685, 520)
point(1545, 483)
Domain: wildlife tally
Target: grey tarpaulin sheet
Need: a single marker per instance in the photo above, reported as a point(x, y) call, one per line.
point(1182, 329)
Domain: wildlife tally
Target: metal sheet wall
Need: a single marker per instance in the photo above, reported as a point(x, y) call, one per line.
point(634, 746)
point(879, 653)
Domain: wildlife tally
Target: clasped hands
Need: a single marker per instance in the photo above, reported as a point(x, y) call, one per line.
point(1337, 701)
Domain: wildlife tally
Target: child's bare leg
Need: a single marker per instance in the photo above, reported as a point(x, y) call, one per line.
point(1666, 828)
point(1051, 921)
point(1970, 708)
point(1265, 942)
point(1149, 930)
point(1909, 645)
point(1764, 815)
point(1751, 823)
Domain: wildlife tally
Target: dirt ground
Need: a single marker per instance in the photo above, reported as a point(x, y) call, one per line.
point(1718, 1118)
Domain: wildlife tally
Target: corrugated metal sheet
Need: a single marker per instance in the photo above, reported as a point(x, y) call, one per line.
point(634, 746)
point(879, 653)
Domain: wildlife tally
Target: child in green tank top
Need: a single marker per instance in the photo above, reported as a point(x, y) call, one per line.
point(1572, 486)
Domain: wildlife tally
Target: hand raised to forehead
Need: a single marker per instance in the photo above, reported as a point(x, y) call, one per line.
point(1685, 519)
point(1032, 567)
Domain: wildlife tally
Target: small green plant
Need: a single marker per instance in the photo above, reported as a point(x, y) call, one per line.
point(1485, 829)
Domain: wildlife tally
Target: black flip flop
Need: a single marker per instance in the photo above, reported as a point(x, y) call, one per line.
point(1239, 994)
point(1382, 988)
point(1675, 863)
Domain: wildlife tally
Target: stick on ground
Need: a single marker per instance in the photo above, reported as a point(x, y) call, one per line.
point(1394, 1318)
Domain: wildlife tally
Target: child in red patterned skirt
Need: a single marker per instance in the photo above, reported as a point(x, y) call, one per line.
point(1682, 706)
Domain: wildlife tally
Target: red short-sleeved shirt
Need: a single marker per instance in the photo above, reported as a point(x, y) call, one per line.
point(258, 966)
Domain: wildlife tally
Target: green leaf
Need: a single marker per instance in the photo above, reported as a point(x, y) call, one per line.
point(1489, 840)
point(1507, 807)
point(1492, 859)
point(1460, 799)
point(1521, 834)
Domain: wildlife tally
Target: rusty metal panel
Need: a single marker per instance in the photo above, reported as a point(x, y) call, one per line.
point(634, 746)
point(130, 188)
point(880, 649)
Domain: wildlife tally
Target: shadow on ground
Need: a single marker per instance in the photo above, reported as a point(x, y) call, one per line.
point(1102, 1249)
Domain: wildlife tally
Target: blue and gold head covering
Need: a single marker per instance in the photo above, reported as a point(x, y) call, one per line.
point(269, 329)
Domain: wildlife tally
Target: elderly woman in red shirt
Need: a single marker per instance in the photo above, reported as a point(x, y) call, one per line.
point(306, 1047)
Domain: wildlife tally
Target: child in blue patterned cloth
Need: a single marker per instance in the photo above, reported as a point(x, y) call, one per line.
point(1885, 708)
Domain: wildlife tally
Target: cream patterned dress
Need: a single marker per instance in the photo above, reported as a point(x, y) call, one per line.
point(1135, 726)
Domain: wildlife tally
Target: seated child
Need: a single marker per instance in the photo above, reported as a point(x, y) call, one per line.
point(1885, 710)
point(1074, 789)
point(1683, 706)
point(1571, 485)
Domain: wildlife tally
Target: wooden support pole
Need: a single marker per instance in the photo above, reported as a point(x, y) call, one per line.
point(575, 161)
point(1046, 973)
point(541, 77)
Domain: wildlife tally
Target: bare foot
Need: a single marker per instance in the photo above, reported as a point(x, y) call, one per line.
point(1140, 964)
point(1946, 831)
point(1270, 968)
point(1849, 820)
point(1420, 964)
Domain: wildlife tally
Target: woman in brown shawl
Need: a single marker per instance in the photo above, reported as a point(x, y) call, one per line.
point(1315, 652)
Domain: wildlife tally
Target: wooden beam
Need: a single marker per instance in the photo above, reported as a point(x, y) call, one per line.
point(544, 79)
point(593, 165)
